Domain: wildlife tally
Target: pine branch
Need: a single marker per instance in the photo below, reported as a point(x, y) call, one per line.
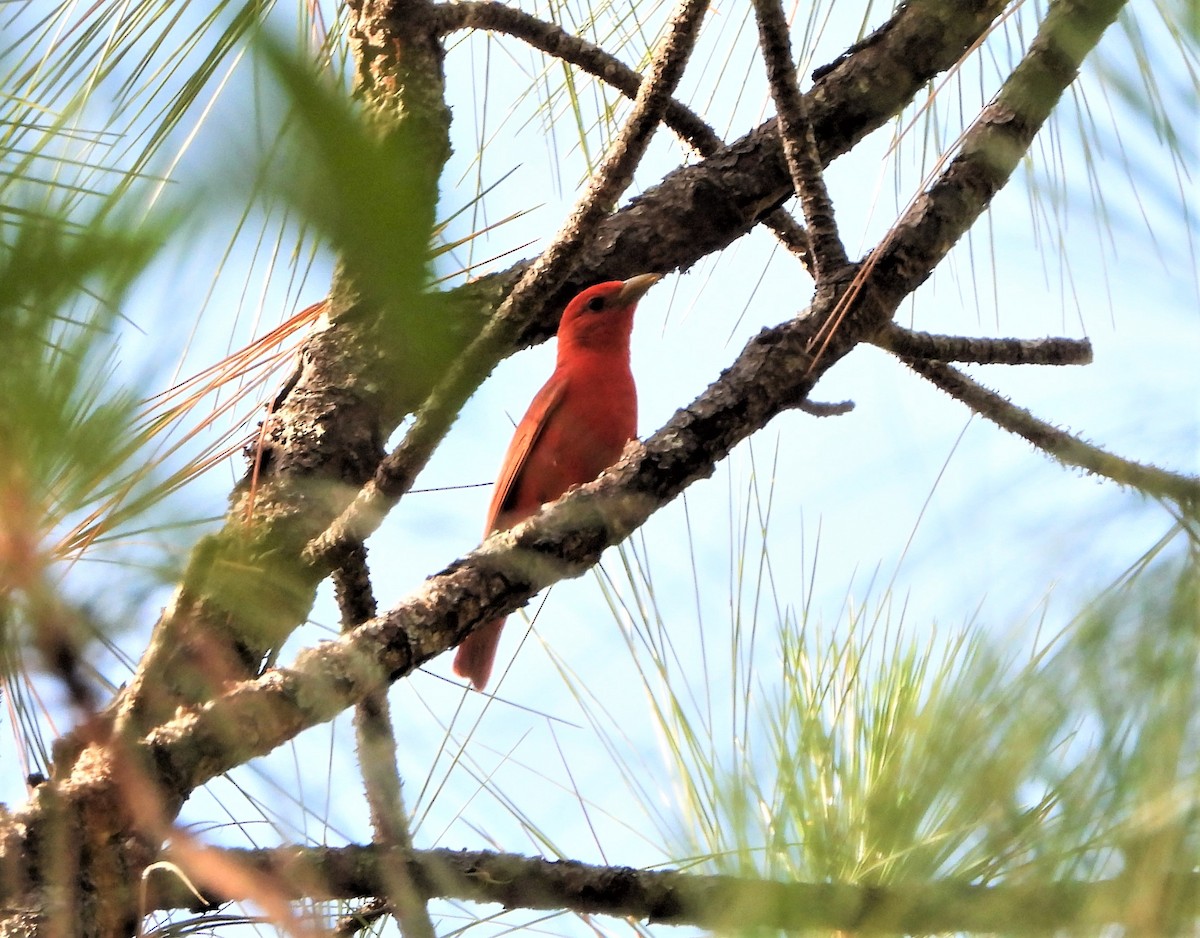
point(713, 902)
point(799, 144)
point(197, 644)
point(1065, 447)
point(991, 148)
point(376, 745)
point(774, 372)
point(908, 343)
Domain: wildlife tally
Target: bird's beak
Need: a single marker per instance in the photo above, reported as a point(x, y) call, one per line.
point(635, 288)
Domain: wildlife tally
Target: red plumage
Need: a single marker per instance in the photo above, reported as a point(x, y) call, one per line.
point(575, 428)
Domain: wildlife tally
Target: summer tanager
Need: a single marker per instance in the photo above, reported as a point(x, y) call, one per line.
point(575, 428)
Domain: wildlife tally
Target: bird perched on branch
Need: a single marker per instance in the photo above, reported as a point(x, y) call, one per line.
point(576, 427)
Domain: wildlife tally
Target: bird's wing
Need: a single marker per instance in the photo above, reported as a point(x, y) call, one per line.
point(543, 406)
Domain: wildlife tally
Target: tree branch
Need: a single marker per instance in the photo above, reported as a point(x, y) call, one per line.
point(774, 372)
point(706, 901)
point(799, 144)
point(376, 743)
point(908, 343)
point(553, 40)
point(990, 150)
point(1066, 448)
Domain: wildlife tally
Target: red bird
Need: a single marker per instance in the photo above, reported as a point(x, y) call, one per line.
point(575, 428)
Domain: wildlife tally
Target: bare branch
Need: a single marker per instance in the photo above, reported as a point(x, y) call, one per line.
point(555, 41)
point(1063, 446)
point(376, 742)
point(992, 147)
point(352, 589)
point(990, 150)
point(953, 348)
point(706, 901)
point(799, 144)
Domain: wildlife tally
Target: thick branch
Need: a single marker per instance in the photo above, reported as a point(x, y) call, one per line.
point(337, 405)
point(705, 901)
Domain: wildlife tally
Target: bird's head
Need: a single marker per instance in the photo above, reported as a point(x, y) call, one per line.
point(602, 316)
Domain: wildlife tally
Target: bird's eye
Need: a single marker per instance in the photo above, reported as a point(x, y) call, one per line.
point(595, 303)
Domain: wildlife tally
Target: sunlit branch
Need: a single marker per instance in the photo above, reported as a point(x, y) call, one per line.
point(992, 147)
point(361, 919)
point(989, 152)
point(553, 40)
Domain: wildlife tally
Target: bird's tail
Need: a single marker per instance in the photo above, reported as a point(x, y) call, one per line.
point(477, 653)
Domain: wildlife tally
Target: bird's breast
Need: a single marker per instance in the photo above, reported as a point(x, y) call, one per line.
point(584, 435)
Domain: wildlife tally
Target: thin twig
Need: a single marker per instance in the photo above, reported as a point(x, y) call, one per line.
point(376, 742)
point(799, 143)
point(400, 468)
point(1063, 446)
point(555, 41)
point(360, 919)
